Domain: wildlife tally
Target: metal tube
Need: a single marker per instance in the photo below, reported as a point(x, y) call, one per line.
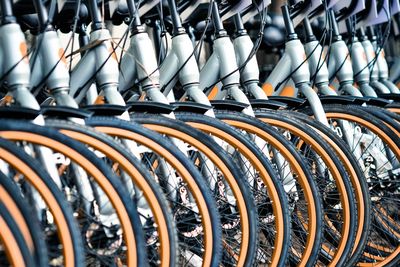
point(6, 8)
point(83, 40)
point(176, 20)
point(94, 15)
point(367, 90)
point(133, 12)
point(308, 30)
point(238, 22)
point(158, 41)
point(216, 18)
point(349, 26)
point(361, 34)
point(335, 28)
point(288, 21)
point(371, 33)
point(361, 31)
point(42, 14)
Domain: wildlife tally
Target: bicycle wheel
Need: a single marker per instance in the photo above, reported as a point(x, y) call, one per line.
point(160, 231)
point(385, 116)
point(393, 115)
point(376, 148)
point(357, 178)
point(236, 203)
point(393, 107)
point(62, 235)
point(271, 201)
point(304, 199)
point(25, 219)
point(191, 201)
point(109, 220)
point(13, 249)
point(333, 180)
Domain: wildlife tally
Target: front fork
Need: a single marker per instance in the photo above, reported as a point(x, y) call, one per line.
point(50, 64)
point(14, 67)
point(250, 72)
point(340, 64)
point(221, 63)
point(360, 68)
point(374, 68)
point(139, 63)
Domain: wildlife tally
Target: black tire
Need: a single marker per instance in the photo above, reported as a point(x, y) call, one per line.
point(264, 200)
point(393, 107)
point(310, 195)
point(393, 115)
point(389, 118)
point(358, 175)
point(382, 245)
point(102, 179)
point(230, 176)
point(14, 250)
point(139, 134)
point(36, 240)
point(300, 132)
point(36, 178)
point(129, 163)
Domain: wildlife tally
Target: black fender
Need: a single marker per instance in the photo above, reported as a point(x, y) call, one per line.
point(150, 107)
point(228, 105)
point(268, 104)
point(64, 112)
point(291, 102)
point(15, 112)
point(189, 106)
point(106, 109)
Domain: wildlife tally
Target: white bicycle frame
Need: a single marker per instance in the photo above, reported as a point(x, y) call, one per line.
point(50, 64)
point(220, 63)
point(15, 66)
point(360, 67)
point(339, 62)
point(373, 66)
point(337, 55)
point(20, 77)
point(382, 66)
point(139, 63)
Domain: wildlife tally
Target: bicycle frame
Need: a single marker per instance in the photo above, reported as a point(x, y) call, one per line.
point(97, 64)
point(316, 62)
point(383, 72)
point(14, 67)
point(291, 62)
point(339, 62)
point(223, 62)
point(360, 67)
point(16, 71)
point(339, 58)
point(383, 69)
point(139, 63)
point(372, 63)
point(321, 80)
point(250, 73)
point(188, 76)
point(50, 65)
point(19, 77)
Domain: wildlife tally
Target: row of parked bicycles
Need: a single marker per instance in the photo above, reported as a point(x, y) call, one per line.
point(165, 148)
